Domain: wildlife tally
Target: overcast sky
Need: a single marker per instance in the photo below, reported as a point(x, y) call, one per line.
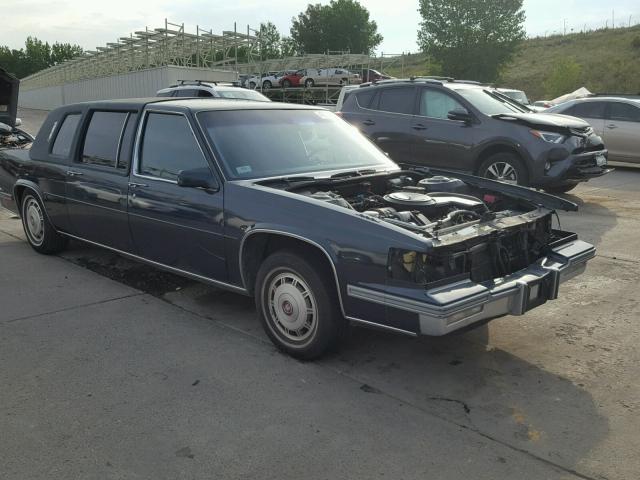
point(91, 23)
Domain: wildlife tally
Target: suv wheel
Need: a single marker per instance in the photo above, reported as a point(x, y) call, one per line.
point(252, 85)
point(286, 83)
point(504, 167)
point(39, 232)
point(297, 305)
point(266, 85)
point(309, 82)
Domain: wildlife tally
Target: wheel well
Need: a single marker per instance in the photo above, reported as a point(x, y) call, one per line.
point(19, 192)
point(492, 150)
point(260, 245)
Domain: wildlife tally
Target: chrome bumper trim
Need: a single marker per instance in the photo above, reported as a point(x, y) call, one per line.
point(454, 306)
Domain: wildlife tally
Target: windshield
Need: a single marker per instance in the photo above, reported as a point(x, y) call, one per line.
point(488, 102)
point(517, 95)
point(243, 94)
point(273, 143)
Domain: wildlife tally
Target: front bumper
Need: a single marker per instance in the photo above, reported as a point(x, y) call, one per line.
point(578, 167)
point(452, 307)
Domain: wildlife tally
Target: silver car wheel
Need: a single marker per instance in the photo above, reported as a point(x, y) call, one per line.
point(292, 308)
point(33, 221)
point(503, 172)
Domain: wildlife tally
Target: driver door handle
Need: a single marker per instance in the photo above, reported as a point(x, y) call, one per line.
point(611, 126)
point(368, 123)
point(419, 126)
point(138, 185)
point(73, 173)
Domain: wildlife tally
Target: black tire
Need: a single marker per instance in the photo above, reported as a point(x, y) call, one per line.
point(567, 187)
point(308, 83)
point(252, 85)
point(508, 164)
point(40, 234)
point(304, 336)
point(266, 85)
point(286, 83)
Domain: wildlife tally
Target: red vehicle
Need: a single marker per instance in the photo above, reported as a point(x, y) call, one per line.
point(293, 79)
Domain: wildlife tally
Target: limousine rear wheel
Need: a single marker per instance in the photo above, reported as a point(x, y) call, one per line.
point(297, 305)
point(39, 232)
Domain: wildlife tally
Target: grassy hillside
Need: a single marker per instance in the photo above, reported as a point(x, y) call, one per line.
point(604, 61)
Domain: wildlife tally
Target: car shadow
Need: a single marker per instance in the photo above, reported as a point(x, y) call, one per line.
point(464, 380)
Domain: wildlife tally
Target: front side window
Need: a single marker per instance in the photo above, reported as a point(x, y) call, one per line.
point(62, 143)
point(624, 112)
point(436, 104)
point(102, 138)
point(587, 110)
point(169, 147)
point(272, 143)
point(205, 94)
point(397, 100)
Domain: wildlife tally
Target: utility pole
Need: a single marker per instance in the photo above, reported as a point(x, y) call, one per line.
point(565, 26)
point(613, 19)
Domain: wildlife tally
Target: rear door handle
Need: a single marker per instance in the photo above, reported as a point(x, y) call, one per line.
point(73, 173)
point(368, 123)
point(138, 185)
point(611, 126)
point(419, 126)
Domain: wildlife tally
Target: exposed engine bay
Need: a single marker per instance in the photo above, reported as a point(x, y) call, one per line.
point(475, 232)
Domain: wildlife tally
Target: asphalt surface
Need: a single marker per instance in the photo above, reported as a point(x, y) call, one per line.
point(111, 369)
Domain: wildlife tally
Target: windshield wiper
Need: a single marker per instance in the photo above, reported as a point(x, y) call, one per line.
point(354, 173)
point(291, 179)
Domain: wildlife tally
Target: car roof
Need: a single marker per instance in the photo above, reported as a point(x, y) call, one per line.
point(634, 101)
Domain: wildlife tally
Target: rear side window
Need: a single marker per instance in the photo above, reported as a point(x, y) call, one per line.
point(624, 112)
point(126, 145)
point(205, 94)
point(164, 94)
point(168, 147)
point(102, 138)
point(587, 110)
point(62, 143)
point(436, 104)
point(397, 100)
point(187, 92)
point(364, 98)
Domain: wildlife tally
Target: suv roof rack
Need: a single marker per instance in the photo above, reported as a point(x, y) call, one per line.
point(194, 82)
point(428, 79)
point(621, 95)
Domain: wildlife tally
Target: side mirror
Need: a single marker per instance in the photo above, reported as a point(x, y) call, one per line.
point(18, 122)
point(198, 178)
point(460, 114)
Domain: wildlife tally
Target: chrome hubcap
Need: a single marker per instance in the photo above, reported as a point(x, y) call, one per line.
point(292, 307)
point(34, 221)
point(503, 172)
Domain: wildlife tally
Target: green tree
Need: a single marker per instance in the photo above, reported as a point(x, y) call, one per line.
point(340, 25)
point(289, 47)
point(269, 41)
point(37, 55)
point(471, 39)
point(565, 77)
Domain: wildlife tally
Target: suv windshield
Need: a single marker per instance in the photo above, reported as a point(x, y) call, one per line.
point(273, 143)
point(517, 96)
point(242, 94)
point(488, 102)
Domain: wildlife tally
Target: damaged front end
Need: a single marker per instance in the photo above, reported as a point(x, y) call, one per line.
point(490, 249)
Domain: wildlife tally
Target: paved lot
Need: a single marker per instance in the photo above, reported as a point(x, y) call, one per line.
point(111, 369)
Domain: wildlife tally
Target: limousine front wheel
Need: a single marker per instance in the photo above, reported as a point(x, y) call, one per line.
point(39, 232)
point(297, 305)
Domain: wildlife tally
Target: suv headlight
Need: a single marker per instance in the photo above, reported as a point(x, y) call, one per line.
point(550, 137)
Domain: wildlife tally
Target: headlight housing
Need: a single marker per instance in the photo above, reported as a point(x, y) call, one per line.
point(549, 137)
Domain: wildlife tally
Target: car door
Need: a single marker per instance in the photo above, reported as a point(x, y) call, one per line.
point(180, 227)
point(97, 180)
point(622, 131)
point(438, 141)
point(387, 120)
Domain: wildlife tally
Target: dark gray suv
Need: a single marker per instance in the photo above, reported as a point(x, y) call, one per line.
point(466, 126)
